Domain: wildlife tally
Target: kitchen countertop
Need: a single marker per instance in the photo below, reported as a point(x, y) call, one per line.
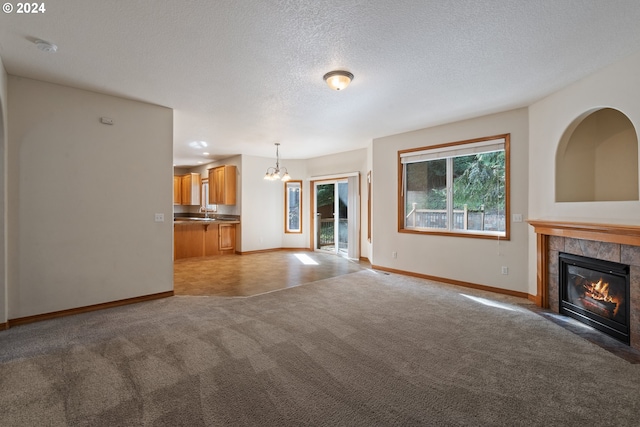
point(199, 220)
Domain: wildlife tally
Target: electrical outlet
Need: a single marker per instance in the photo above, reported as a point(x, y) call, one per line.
point(394, 254)
point(505, 270)
point(159, 217)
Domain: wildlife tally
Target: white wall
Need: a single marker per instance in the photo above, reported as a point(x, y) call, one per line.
point(346, 162)
point(464, 259)
point(3, 182)
point(263, 205)
point(616, 87)
point(82, 198)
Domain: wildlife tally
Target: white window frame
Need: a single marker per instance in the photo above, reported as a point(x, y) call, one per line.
point(287, 212)
point(449, 151)
point(205, 196)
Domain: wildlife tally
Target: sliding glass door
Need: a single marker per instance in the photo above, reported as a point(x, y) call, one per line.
point(332, 223)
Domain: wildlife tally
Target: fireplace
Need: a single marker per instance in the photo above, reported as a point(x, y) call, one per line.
point(595, 292)
point(617, 243)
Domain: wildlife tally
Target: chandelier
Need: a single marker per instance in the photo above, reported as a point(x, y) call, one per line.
point(276, 173)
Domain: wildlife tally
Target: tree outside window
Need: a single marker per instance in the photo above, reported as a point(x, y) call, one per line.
point(293, 207)
point(458, 188)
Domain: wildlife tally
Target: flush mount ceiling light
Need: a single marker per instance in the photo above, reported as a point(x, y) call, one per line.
point(46, 46)
point(198, 144)
point(274, 174)
point(338, 80)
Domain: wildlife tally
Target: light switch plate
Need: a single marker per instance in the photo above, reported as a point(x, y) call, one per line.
point(517, 217)
point(159, 217)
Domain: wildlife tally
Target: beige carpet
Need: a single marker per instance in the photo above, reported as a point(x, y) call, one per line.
point(362, 349)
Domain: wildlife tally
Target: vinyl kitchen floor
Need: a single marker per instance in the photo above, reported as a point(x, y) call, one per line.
point(253, 274)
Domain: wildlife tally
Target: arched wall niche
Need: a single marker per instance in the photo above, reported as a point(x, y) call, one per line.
point(597, 158)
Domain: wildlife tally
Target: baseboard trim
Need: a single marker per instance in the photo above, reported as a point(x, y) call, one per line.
point(535, 299)
point(365, 259)
point(86, 309)
point(4, 326)
point(262, 251)
point(454, 282)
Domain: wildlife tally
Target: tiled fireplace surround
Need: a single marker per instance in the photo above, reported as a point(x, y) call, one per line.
point(618, 243)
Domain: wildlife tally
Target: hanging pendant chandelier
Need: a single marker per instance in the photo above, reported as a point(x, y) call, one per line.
point(277, 173)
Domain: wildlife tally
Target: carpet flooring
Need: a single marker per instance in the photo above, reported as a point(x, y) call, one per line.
point(362, 349)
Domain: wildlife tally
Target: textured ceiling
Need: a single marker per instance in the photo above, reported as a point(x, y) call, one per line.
point(243, 74)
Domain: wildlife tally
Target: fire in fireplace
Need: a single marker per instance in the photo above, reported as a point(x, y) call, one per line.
point(595, 292)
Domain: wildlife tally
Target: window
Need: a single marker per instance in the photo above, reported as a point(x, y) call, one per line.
point(460, 188)
point(293, 207)
point(204, 200)
point(369, 206)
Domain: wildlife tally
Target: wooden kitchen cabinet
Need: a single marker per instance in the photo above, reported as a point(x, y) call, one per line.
point(190, 189)
point(227, 238)
point(222, 185)
point(177, 190)
point(197, 239)
point(187, 240)
point(211, 240)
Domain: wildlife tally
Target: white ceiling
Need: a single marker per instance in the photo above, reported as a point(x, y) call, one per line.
point(244, 74)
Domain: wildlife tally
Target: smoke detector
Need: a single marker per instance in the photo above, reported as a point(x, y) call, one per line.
point(46, 46)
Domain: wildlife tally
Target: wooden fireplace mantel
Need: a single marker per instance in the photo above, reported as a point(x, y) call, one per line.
point(624, 234)
point(613, 233)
